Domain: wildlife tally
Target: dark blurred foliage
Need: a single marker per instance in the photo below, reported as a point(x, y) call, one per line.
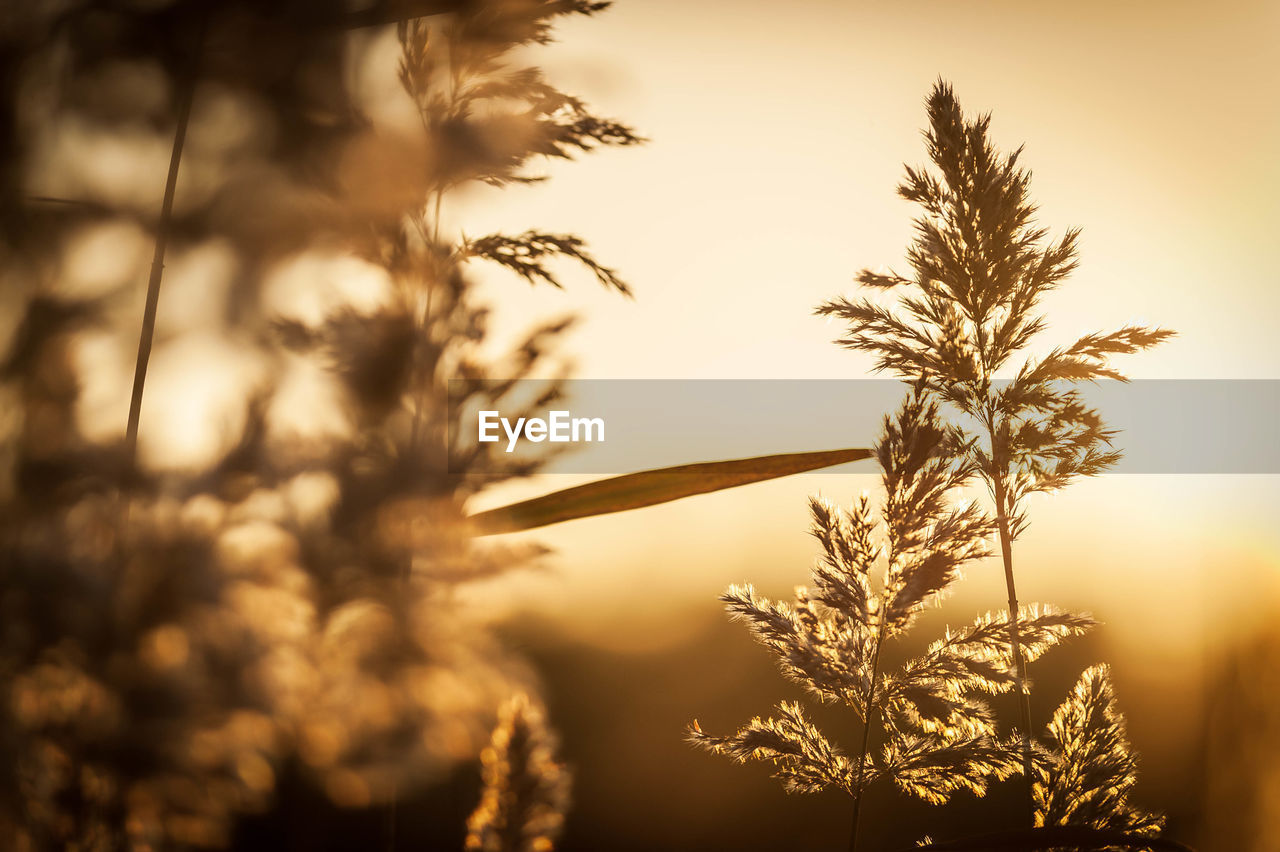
point(258, 609)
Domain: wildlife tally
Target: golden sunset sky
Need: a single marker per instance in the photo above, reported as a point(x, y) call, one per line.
point(777, 140)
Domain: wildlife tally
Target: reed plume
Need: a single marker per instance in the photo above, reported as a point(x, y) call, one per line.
point(1086, 775)
point(526, 792)
point(926, 727)
point(980, 264)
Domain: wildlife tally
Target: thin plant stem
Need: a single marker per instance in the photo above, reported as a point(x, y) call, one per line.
point(858, 784)
point(1001, 496)
point(186, 92)
point(1015, 630)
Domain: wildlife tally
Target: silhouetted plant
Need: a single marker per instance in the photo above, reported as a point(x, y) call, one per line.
point(980, 265)
point(937, 730)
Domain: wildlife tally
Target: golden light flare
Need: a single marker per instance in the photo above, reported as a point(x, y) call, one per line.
point(199, 388)
point(311, 287)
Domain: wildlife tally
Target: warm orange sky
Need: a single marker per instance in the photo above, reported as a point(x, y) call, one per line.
point(777, 142)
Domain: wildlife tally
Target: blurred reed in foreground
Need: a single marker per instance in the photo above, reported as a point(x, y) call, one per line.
point(268, 583)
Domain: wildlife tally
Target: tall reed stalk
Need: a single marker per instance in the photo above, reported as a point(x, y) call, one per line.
point(979, 267)
point(860, 780)
point(1015, 636)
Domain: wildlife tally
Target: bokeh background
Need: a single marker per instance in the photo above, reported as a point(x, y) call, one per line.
point(777, 134)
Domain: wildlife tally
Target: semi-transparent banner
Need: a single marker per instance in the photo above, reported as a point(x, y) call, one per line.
point(619, 426)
